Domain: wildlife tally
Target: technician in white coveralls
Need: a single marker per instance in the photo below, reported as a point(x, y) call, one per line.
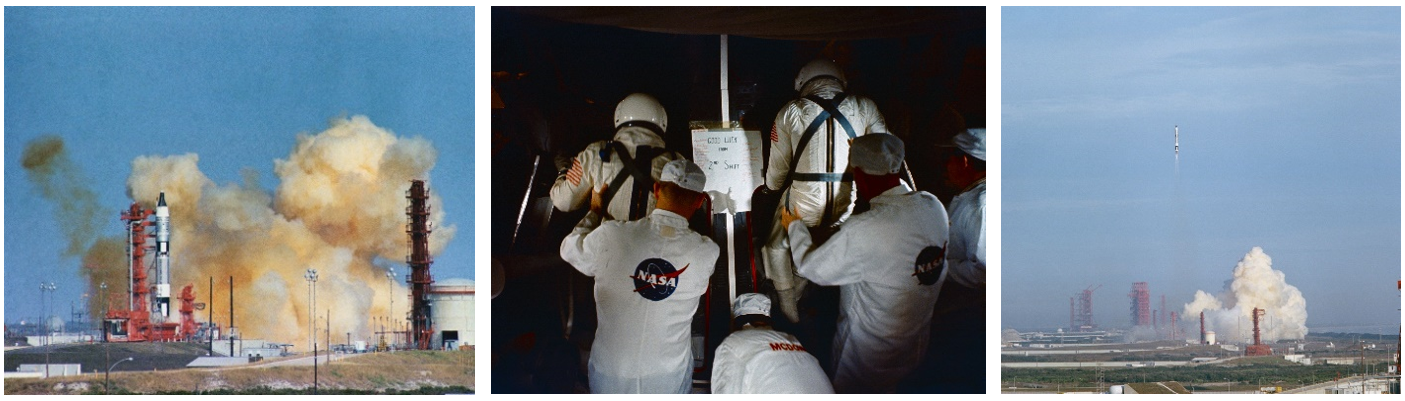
point(818, 188)
point(756, 359)
point(649, 275)
point(623, 168)
point(886, 261)
point(965, 257)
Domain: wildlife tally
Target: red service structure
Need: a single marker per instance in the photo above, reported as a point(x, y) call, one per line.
point(145, 318)
point(1141, 304)
point(421, 328)
point(1081, 311)
point(1259, 348)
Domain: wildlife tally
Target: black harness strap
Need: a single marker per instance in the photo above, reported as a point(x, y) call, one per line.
point(832, 106)
point(640, 167)
point(790, 176)
point(824, 177)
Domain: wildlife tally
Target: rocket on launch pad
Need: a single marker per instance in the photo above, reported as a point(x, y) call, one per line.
point(163, 257)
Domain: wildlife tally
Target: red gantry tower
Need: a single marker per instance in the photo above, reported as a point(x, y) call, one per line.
point(132, 323)
point(421, 328)
point(1259, 348)
point(1081, 314)
point(1141, 304)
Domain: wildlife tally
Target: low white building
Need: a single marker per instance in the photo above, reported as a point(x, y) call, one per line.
point(451, 312)
point(59, 338)
point(55, 369)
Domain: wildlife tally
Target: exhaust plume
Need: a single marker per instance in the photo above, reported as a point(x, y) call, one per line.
point(339, 206)
point(1255, 285)
point(47, 165)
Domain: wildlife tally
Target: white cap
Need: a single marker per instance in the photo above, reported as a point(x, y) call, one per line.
point(877, 154)
point(685, 174)
point(972, 141)
point(752, 304)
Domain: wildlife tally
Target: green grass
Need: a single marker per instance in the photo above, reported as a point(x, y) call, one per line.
point(1253, 371)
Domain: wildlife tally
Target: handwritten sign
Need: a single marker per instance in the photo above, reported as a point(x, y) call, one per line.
point(731, 158)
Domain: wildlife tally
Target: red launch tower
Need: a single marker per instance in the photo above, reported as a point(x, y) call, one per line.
point(132, 323)
point(1259, 348)
point(421, 327)
point(1141, 304)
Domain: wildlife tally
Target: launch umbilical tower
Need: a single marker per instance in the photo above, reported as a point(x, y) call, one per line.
point(1258, 349)
point(421, 328)
point(1202, 328)
point(1082, 314)
point(1141, 304)
point(134, 322)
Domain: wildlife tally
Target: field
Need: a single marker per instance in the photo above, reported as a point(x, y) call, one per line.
point(1242, 375)
point(405, 372)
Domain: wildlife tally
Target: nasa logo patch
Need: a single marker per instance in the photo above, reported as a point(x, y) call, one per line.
point(655, 279)
point(929, 265)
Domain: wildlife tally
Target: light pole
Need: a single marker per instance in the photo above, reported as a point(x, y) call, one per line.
point(109, 372)
point(390, 289)
point(49, 288)
point(105, 303)
point(311, 277)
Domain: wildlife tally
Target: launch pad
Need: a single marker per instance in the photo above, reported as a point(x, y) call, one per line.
point(145, 319)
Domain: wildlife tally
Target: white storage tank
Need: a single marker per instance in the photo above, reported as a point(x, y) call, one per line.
point(1210, 337)
point(451, 313)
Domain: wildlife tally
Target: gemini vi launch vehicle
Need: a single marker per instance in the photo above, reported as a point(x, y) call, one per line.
point(163, 257)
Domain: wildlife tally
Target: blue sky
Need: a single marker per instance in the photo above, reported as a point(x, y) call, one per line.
point(1290, 141)
point(233, 85)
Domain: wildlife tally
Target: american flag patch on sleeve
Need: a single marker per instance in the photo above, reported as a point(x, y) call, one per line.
point(774, 137)
point(575, 174)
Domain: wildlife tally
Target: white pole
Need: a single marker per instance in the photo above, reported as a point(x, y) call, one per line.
point(731, 241)
point(726, 108)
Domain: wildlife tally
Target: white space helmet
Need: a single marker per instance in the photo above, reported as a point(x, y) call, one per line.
point(641, 107)
point(819, 68)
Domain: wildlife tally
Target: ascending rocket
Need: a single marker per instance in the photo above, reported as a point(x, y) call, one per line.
point(163, 257)
point(1178, 140)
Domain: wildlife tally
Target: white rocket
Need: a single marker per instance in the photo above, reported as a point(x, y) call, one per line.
point(1178, 140)
point(163, 257)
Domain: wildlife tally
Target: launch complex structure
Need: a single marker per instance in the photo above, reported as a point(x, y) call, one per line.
point(421, 324)
point(145, 317)
point(1163, 322)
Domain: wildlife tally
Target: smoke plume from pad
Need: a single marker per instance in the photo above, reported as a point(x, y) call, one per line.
point(339, 208)
point(1255, 285)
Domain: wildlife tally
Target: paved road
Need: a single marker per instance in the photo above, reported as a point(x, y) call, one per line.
point(295, 361)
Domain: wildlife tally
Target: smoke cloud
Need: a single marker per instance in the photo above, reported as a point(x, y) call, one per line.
point(47, 165)
point(339, 208)
point(1255, 285)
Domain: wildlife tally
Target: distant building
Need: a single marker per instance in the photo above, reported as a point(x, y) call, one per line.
point(247, 348)
point(55, 369)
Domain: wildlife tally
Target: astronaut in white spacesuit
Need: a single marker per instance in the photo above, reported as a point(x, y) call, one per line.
point(886, 261)
point(623, 168)
point(757, 359)
point(809, 158)
point(649, 275)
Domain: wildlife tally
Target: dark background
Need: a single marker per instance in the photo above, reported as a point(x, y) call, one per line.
point(558, 74)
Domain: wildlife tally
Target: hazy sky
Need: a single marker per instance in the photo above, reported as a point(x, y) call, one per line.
point(1290, 141)
point(233, 85)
